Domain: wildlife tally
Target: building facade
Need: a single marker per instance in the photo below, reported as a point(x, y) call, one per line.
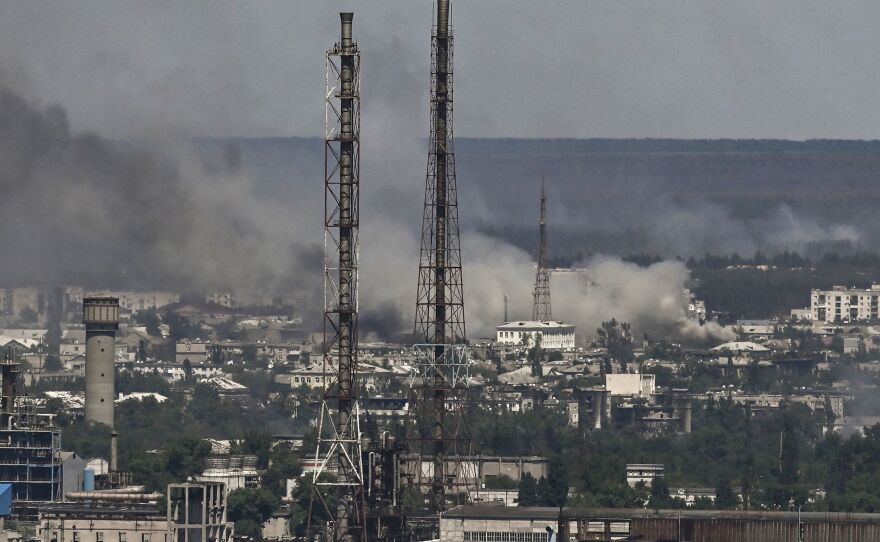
point(841, 304)
point(554, 335)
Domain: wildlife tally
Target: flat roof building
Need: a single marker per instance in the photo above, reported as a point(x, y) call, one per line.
point(841, 304)
point(554, 335)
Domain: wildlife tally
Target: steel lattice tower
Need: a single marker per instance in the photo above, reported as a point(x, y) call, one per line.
point(440, 349)
point(338, 475)
point(541, 309)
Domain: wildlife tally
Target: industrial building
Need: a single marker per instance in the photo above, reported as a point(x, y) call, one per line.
point(475, 472)
point(554, 335)
point(30, 444)
point(841, 304)
point(85, 522)
point(196, 512)
point(528, 524)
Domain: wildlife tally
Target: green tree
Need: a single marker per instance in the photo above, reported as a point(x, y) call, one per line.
point(150, 319)
point(660, 497)
point(501, 482)
point(181, 327)
point(725, 498)
point(259, 443)
point(528, 490)
point(284, 464)
point(52, 363)
point(616, 337)
point(535, 356)
point(249, 508)
point(557, 482)
point(184, 456)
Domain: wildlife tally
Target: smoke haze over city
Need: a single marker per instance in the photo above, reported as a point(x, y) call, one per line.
point(117, 157)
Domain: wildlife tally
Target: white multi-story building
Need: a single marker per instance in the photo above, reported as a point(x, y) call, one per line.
point(137, 301)
point(841, 304)
point(554, 335)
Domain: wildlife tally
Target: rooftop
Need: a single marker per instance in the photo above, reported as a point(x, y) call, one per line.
point(541, 513)
point(533, 324)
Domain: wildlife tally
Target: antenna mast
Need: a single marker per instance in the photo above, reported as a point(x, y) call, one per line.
point(439, 331)
point(541, 310)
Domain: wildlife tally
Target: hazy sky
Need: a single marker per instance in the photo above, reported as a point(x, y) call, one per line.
point(789, 69)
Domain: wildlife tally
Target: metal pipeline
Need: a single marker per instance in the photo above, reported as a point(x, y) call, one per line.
point(126, 489)
point(114, 436)
point(111, 496)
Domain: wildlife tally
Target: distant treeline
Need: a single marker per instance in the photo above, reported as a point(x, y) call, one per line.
point(466, 145)
point(737, 287)
point(783, 260)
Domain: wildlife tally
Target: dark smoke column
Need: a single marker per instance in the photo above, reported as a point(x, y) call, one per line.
point(441, 359)
point(338, 480)
point(541, 309)
point(101, 317)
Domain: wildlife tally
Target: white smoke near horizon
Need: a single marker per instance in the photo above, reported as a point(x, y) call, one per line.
point(604, 287)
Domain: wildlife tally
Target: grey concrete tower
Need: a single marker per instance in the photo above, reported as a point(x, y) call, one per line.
point(101, 317)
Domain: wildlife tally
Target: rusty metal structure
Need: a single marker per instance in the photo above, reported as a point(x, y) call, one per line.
point(338, 501)
point(541, 311)
point(436, 434)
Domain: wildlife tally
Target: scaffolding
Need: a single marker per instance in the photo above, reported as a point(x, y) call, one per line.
point(30, 455)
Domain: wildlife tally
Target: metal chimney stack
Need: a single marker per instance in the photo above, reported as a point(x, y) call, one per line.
point(101, 318)
point(340, 492)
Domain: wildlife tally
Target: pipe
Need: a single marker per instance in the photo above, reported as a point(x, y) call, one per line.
point(111, 496)
point(346, 19)
point(126, 489)
point(114, 436)
point(442, 17)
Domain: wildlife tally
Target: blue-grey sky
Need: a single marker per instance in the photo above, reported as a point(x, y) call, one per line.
point(673, 68)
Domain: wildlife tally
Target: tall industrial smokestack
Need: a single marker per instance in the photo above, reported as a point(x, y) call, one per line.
point(339, 443)
point(101, 318)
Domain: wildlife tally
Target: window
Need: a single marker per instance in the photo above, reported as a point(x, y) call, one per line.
point(99, 537)
point(122, 537)
point(145, 537)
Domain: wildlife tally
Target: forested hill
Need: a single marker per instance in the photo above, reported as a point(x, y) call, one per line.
point(625, 196)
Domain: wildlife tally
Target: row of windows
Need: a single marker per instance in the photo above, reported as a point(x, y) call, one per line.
point(503, 536)
point(307, 379)
point(99, 537)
